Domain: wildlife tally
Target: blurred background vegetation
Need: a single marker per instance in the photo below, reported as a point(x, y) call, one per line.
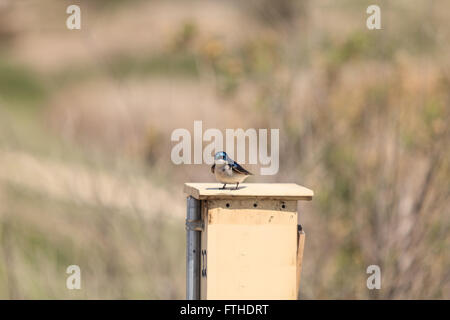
point(86, 117)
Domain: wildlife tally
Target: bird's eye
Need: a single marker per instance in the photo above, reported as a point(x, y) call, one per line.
point(220, 155)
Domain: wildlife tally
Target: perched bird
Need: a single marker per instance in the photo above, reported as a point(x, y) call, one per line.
point(227, 170)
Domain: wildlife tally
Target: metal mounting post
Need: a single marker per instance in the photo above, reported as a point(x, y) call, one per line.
point(194, 227)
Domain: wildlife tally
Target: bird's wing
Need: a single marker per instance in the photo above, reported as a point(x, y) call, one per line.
point(236, 167)
point(213, 167)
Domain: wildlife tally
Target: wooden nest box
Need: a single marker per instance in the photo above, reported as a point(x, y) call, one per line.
point(244, 243)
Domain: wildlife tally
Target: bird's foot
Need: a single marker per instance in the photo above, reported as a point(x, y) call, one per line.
point(237, 185)
point(223, 188)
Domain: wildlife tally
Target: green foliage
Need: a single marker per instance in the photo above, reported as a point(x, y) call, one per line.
point(19, 85)
point(164, 64)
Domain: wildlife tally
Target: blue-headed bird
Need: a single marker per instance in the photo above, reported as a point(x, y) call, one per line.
point(228, 171)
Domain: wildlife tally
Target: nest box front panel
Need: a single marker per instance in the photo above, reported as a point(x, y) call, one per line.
point(250, 249)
